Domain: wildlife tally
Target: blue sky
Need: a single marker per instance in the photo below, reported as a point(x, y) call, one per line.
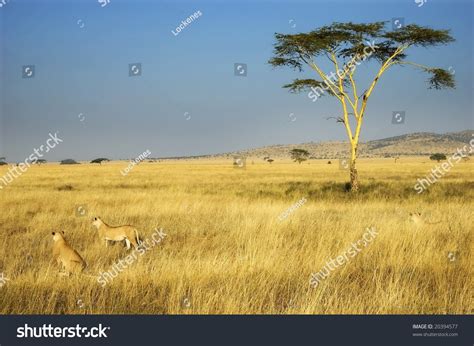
point(187, 100)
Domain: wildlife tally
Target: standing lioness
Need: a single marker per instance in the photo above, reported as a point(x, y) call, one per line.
point(66, 256)
point(118, 233)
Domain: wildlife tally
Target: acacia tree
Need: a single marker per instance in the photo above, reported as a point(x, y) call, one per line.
point(299, 155)
point(438, 157)
point(100, 160)
point(346, 46)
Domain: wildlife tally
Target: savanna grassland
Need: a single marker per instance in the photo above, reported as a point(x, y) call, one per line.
point(227, 252)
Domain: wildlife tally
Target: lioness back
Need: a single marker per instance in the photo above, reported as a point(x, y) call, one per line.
point(120, 233)
point(126, 233)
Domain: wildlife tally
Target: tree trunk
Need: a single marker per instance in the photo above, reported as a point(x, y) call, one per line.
point(353, 170)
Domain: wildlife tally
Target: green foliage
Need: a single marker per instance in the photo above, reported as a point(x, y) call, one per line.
point(100, 160)
point(415, 35)
point(299, 155)
point(349, 40)
point(303, 84)
point(438, 157)
point(69, 162)
point(440, 79)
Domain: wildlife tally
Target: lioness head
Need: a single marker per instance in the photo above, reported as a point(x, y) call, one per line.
point(416, 217)
point(58, 236)
point(96, 222)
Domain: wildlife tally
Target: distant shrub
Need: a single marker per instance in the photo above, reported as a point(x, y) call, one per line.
point(438, 157)
point(65, 188)
point(100, 160)
point(69, 162)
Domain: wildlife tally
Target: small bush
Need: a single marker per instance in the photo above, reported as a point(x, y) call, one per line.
point(65, 188)
point(438, 157)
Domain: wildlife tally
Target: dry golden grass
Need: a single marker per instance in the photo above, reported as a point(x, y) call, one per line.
point(226, 252)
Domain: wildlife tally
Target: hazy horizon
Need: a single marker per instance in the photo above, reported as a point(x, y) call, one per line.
point(111, 158)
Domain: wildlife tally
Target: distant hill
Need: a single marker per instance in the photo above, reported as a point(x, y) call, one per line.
point(421, 143)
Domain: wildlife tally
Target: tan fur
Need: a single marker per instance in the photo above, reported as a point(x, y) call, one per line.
point(119, 233)
point(419, 220)
point(66, 256)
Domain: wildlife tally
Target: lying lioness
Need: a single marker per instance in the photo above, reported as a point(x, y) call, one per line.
point(419, 220)
point(118, 233)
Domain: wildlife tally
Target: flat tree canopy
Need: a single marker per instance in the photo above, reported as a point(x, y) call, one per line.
point(100, 160)
point(299, 155)
point(438, 157)
point(69, 162)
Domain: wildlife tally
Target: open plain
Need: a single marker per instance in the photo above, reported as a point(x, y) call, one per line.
point(226, 249)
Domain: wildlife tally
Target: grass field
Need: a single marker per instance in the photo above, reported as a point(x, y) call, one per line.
point(226, 250)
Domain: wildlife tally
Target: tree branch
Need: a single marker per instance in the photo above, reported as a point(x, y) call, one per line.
point(324, 77)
